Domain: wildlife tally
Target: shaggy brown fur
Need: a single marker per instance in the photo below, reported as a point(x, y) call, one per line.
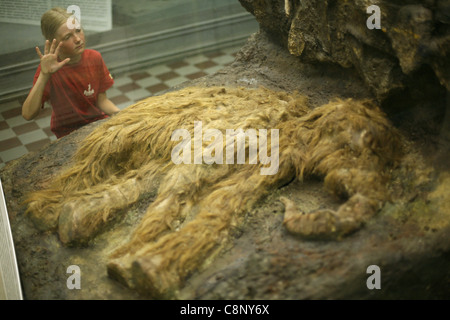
point(348, 143)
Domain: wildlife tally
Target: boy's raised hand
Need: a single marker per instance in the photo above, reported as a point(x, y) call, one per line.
point(49, 61)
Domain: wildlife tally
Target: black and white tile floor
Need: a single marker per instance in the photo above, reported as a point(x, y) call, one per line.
point(18, 136)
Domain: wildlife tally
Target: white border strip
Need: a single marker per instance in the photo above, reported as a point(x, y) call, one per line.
point(10, 288)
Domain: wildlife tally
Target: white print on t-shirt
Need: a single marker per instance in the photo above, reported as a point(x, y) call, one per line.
point(89, 92)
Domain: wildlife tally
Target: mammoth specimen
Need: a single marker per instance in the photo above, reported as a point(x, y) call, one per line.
point(349, 144)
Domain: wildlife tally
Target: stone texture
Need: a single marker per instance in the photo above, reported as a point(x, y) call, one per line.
point(414, 35)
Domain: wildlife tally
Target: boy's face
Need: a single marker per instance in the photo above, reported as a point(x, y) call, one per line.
point(73, 42)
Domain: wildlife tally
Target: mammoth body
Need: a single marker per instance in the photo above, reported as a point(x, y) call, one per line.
point(350, 144)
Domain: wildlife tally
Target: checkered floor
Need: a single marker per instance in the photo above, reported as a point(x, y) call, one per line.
point(18, 136)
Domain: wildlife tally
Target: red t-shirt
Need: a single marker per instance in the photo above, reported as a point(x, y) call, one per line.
point(73, 91)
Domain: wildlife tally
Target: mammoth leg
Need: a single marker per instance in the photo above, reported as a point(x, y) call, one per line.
point(365, 199)
point(44, 208)
point(353, 146)
point(159, 267)
point(84, 216)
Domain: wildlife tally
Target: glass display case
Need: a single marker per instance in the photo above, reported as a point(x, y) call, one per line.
point(132, 36)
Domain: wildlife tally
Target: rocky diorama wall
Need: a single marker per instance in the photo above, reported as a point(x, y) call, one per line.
point(387, 42)
point(361, 186)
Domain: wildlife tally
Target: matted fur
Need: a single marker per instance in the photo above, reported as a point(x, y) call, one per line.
point(350, 144)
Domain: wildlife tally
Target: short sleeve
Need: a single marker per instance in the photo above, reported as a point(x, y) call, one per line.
point(46, 94)
point(106, 79)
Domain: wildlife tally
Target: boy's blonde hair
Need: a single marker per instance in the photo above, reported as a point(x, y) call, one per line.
point(52, 20)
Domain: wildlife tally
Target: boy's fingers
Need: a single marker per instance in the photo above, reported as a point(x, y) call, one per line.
point(46, 48)
point(52, 48)
point(62, 63)
point(39, 52)
point(57, 48)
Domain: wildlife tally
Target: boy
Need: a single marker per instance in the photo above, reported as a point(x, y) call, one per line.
point(72, 78)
